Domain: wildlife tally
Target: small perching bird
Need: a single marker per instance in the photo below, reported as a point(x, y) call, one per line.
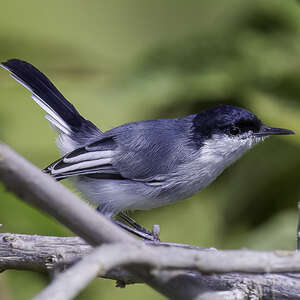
point(146, 164)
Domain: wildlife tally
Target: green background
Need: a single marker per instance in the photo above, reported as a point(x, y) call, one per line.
point(121, 61)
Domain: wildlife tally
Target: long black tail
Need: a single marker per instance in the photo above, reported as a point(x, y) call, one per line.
point(42, 88)
point(60, 112)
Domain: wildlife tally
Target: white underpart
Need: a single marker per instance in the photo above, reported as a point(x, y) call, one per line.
point(83, 165)
point(205, 166)
point(222, 150)
point(89, 156)
point(213, 157)
point(51, 116)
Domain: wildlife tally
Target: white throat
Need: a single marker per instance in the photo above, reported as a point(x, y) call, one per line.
point(212, 158)
point(222, 150)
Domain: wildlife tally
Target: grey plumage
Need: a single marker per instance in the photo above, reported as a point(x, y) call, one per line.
point(144, 164)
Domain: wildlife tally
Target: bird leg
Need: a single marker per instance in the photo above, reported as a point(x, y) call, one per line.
point(134, 231)
point(140, 228)
point(134, 227)
point(133, 223)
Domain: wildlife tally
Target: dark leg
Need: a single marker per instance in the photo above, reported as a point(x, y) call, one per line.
point(133, 223)
point(135, 229)
point(140, 228)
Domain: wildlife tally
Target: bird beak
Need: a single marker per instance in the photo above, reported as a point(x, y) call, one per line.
point(266, 131)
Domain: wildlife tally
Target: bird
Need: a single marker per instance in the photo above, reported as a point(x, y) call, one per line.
point(145, 164)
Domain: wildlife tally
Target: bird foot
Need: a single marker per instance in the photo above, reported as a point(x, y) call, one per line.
point(140, 230)
point(155, 233)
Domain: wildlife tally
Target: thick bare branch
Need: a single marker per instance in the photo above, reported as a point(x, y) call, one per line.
point(173, 271)
point(16, 251)
point(43, 192)
point(46, 253)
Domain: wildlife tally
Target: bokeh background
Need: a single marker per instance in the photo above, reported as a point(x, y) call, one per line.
point(120, 61)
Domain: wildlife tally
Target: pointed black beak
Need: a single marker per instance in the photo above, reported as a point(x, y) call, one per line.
point(266, 131)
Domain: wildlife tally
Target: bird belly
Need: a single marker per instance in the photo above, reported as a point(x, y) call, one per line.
point(117, 195)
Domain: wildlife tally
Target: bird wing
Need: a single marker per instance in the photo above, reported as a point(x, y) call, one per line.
point(94, 159)
point(141, 151)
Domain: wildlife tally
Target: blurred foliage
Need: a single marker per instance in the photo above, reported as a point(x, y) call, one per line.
point(121, 61)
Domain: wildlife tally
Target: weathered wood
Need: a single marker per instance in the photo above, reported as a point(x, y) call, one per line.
point(49, 253)
point(176, 271)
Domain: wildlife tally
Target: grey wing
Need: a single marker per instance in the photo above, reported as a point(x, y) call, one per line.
point(142, 151)
point(152, 150)
point(93, 160)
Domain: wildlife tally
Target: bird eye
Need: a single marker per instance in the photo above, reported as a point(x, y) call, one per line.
point(234, 130)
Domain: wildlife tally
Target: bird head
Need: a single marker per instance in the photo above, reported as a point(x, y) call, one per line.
point(228, 131)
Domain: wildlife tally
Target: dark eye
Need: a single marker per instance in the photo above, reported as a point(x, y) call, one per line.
point(234, 130)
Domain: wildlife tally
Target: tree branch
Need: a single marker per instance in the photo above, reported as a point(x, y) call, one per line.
point(43, 192)
point(17, 250)
point(177, 272)
point(44, 253)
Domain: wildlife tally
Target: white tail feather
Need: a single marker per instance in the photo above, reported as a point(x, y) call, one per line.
point(55, 119)
point(57, 126)
point(52, 113)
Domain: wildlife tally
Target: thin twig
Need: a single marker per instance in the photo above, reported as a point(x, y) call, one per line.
point(107, 257)
point(100, 261)
point(78, 277)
